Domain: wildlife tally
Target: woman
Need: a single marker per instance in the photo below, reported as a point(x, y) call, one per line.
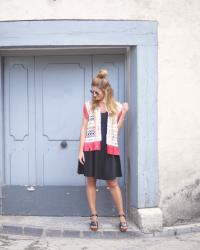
point(99, 155)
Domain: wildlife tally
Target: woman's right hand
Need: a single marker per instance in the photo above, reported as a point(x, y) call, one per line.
point(81, 157)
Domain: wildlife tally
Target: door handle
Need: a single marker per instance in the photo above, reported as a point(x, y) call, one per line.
point(63, 144)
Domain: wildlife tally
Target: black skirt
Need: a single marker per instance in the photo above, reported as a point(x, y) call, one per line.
point(98, 163)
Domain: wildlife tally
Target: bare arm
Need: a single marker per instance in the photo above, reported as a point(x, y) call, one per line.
point(121, 119)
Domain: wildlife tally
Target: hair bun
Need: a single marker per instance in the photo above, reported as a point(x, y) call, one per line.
point(102, 73)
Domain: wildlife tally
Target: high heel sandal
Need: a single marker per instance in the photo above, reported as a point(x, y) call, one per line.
point(93, 224)
point(123, 225)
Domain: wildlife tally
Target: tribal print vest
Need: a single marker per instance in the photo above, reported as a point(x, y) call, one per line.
point(93, 135)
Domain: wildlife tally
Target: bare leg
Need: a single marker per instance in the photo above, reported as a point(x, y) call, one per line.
point(91, 195)
point(117, 196)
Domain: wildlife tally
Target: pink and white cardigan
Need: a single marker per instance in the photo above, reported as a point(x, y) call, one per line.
point(93, 136)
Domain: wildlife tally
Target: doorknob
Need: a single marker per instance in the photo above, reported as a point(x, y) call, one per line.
point(63, 144)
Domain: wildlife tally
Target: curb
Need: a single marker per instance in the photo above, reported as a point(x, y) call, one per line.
point(109, 234)
point(178, 230)
point(49, 232)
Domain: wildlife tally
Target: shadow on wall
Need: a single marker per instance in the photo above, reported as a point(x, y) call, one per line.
point(182, 206)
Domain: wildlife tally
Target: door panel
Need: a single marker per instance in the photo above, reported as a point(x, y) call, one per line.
point(59, 165)
point(60, 87)
point(19, 121)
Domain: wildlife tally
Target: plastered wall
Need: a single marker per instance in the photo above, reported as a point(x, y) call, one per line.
point(178, 84)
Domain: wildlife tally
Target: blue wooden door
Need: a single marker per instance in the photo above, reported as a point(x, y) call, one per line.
point(43, 114)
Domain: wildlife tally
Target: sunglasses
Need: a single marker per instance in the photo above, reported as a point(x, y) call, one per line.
point(94, 92)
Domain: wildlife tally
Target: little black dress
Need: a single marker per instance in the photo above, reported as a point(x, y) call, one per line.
point(98, 163)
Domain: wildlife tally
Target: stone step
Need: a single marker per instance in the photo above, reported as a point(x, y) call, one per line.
point(65, 226)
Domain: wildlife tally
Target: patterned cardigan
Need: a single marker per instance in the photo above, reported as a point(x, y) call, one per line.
point(93, 136)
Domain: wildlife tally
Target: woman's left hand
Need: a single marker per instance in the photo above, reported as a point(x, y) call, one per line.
point(125, 107)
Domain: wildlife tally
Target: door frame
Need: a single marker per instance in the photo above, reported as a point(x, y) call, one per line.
point(139, 39)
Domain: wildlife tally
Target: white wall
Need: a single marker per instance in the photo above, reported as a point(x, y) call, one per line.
point(178, 90)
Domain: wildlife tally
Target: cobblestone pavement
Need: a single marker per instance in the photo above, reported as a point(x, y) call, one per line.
point(188, 241)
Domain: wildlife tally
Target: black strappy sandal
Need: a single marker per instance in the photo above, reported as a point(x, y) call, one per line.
point(123, 225)
point(93, 224)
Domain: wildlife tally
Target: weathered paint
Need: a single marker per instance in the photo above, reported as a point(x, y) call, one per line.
point(175, 212)
point(142, 121)
point(143, 126)
point(82, 32)
point(1, 122)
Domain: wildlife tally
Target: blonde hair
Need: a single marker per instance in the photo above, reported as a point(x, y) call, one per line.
point(101, 82)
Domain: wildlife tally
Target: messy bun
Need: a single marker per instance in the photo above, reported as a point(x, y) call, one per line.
point(101, 82)
point(102, 73)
